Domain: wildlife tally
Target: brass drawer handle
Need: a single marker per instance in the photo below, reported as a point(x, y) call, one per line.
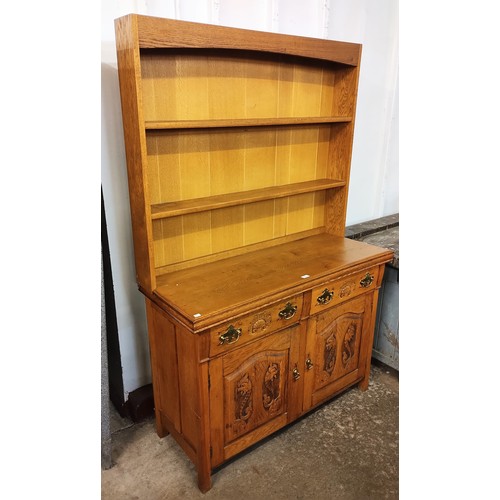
point(367, 280)
point(288, 312)
point(325, 297)
point(231, 336)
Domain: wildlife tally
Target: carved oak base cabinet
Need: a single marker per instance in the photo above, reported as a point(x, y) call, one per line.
point(238, 149)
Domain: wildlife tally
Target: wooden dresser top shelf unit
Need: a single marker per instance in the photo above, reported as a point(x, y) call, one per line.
point(238, 148)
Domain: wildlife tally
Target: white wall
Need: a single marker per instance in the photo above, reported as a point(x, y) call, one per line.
point(374, 171)
point(373, 191)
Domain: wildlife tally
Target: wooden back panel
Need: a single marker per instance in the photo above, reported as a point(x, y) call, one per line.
point(205, 84)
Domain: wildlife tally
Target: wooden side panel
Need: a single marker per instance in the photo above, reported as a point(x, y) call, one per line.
point(366, 349)
point(345, 92)
point(181, 385)
point(188, 386)
point(341, 140)
point(203, 463)
point(216, 411)
point(163, 351)
point(339, 165)
point(135, 148)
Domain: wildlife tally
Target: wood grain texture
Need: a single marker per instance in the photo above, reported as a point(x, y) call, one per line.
point(329, 391)
point(366, 348)
point(135, 148)
point(231, 250)
point(255, 436)
point(255, 325)
point(256, 384)
point(244, 122)
point(179, 438)
point(203, 463)
point(235, 89)
point(163, 351)
point(158, 33)
point(189, 390)
point(206, 170)
point(209, 289)
point(173, 209)
point(343, 289)
point(244, 373)
point(218, 161)
point(216, 411)
point(340, 153)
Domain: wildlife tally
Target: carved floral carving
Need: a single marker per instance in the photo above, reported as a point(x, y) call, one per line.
point(346, 289)
point(243, 398)
point(330, 353)
point(260, 323)
point(348, 344)
point(271, 388)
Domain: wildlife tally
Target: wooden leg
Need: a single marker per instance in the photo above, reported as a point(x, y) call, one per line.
point(204, 480)
point(363, 385)
point(368, 341)
point(161, 428)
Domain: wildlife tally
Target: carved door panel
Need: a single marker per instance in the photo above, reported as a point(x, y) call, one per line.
point(250, 392)
point(334, 340)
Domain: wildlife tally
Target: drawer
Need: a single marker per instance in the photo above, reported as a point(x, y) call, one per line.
point(337, 291)
point(244, 329)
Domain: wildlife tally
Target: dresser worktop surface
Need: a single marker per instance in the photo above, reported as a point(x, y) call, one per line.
point(206, 290)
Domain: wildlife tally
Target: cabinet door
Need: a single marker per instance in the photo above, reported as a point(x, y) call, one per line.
point(253, 392)
point(335, 354)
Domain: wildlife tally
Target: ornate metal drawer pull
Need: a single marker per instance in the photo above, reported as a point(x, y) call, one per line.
point(325, 297)
point(295, 373)
point(231, 336)
point(367, 280)
point(309, 363)
point(288, 312)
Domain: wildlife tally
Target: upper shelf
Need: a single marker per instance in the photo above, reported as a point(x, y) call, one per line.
point(183, 207)
point(244, 122)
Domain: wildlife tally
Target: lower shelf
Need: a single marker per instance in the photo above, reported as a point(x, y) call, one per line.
point(183, 207)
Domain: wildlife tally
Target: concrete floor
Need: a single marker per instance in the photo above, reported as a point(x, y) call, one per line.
point(347, 449)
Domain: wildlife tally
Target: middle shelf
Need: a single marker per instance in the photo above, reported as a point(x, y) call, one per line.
point(182, 207)
point(244, 122)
